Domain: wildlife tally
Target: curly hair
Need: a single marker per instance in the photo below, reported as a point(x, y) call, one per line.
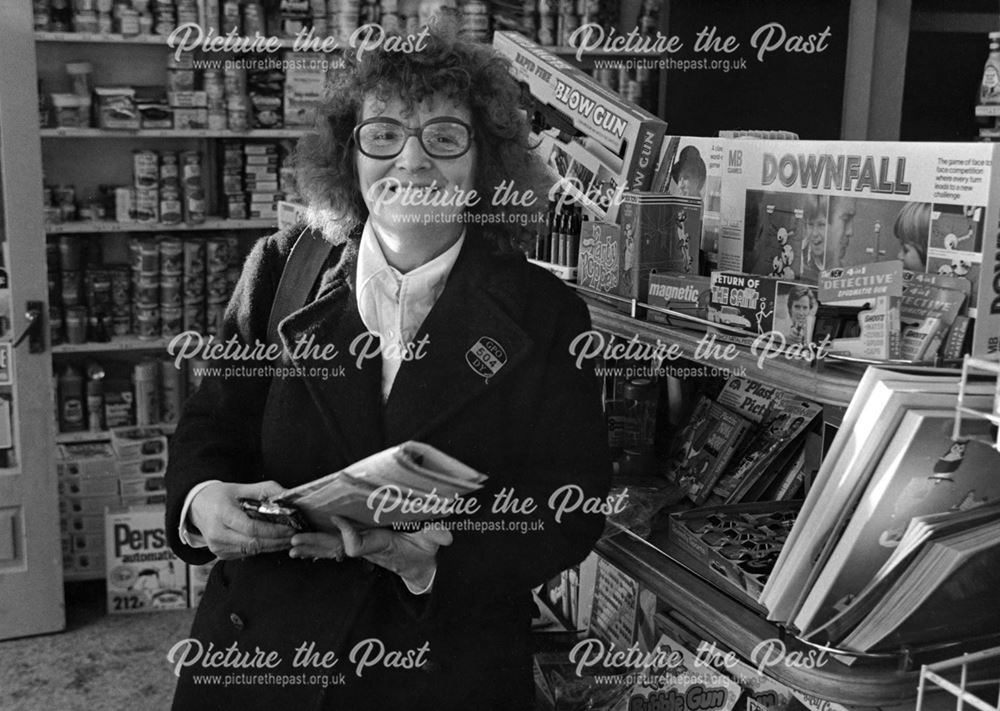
point(471, 75)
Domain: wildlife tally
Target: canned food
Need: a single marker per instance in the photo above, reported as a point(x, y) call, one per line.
point(171, 207)
point(191, 170)
point(147, 204)
point(76, 324)
point(194, 257)
point(215, 314)
point(193, 316)
point(70, 250)
point(146, 377)
point(218, 119)
point(121, 279)
point(70, 287)
point(145, 168)
point(56, 325)
point(147, 290)
point(170, 392)
point(171, 256)
point(170, 321)
point(121, 325)
point(217, 285)
point(147, 257)
point(194, 207)
point(148, 322)
point(217, 255)
point(170, 291)
point(169, 170)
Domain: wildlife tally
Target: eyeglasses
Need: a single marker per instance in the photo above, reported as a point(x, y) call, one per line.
point(440, 137)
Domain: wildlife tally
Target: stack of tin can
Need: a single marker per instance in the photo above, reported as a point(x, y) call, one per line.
point(219, 255)
point(261, 179)
point(145, 183)
point(235, 206)
point(146, 286)
point(192, 187)
point(165, 15)
point(193, 316)
point(171, 252)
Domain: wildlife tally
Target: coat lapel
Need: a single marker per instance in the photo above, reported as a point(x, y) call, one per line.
point(348, 397)
point(471, 345)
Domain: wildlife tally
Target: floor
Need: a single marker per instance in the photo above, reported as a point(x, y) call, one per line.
point(101, 662)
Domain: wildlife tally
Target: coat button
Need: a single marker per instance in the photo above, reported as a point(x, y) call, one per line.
point(237, 621)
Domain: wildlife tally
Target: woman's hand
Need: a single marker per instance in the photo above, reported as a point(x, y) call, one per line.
point(228, 531)
point(411, 556)
point(317, 545)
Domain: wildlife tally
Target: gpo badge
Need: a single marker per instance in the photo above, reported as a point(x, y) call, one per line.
point(486, 357)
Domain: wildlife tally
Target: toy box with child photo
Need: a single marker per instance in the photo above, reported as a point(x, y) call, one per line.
point(794, 209)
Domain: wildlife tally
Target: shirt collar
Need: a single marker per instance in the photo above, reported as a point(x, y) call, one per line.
point(379, 283)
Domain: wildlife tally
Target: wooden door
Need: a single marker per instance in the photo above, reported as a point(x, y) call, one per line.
point(31, 592)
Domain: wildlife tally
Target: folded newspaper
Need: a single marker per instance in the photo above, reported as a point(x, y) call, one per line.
point(409, 482)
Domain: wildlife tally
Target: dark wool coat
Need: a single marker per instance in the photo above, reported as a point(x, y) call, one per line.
point(533, 426)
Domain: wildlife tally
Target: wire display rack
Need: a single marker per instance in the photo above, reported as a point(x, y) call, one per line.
point(977, 685)
point(970, 366)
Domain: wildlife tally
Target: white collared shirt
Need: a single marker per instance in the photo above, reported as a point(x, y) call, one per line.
point(394, 305)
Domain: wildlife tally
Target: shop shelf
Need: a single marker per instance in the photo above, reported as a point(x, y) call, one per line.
point(826, 385)
point(95, 38)
point(734, 626)
point(72, 228)
point(170, 133)
point(119, 343)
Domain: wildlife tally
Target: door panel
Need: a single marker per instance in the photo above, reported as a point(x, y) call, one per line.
point(31, 593)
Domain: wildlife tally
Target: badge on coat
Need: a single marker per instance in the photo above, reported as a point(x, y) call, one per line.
point(486, 357)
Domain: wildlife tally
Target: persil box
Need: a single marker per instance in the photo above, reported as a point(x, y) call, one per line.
point(143, 573)
point(136, 442)
point(622, 141)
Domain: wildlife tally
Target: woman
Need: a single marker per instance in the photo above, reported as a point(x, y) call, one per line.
point(428, 620)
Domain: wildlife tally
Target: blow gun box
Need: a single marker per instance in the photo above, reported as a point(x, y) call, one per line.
point(793, 209)
point(620, 142)
point(143, 573)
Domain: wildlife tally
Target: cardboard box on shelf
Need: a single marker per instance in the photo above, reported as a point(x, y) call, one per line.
point(622, 139)
point(793, 209)
point(86, 459)
point(133, 442)
point(141, 466)
point(69, 485)
point(142, 486)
